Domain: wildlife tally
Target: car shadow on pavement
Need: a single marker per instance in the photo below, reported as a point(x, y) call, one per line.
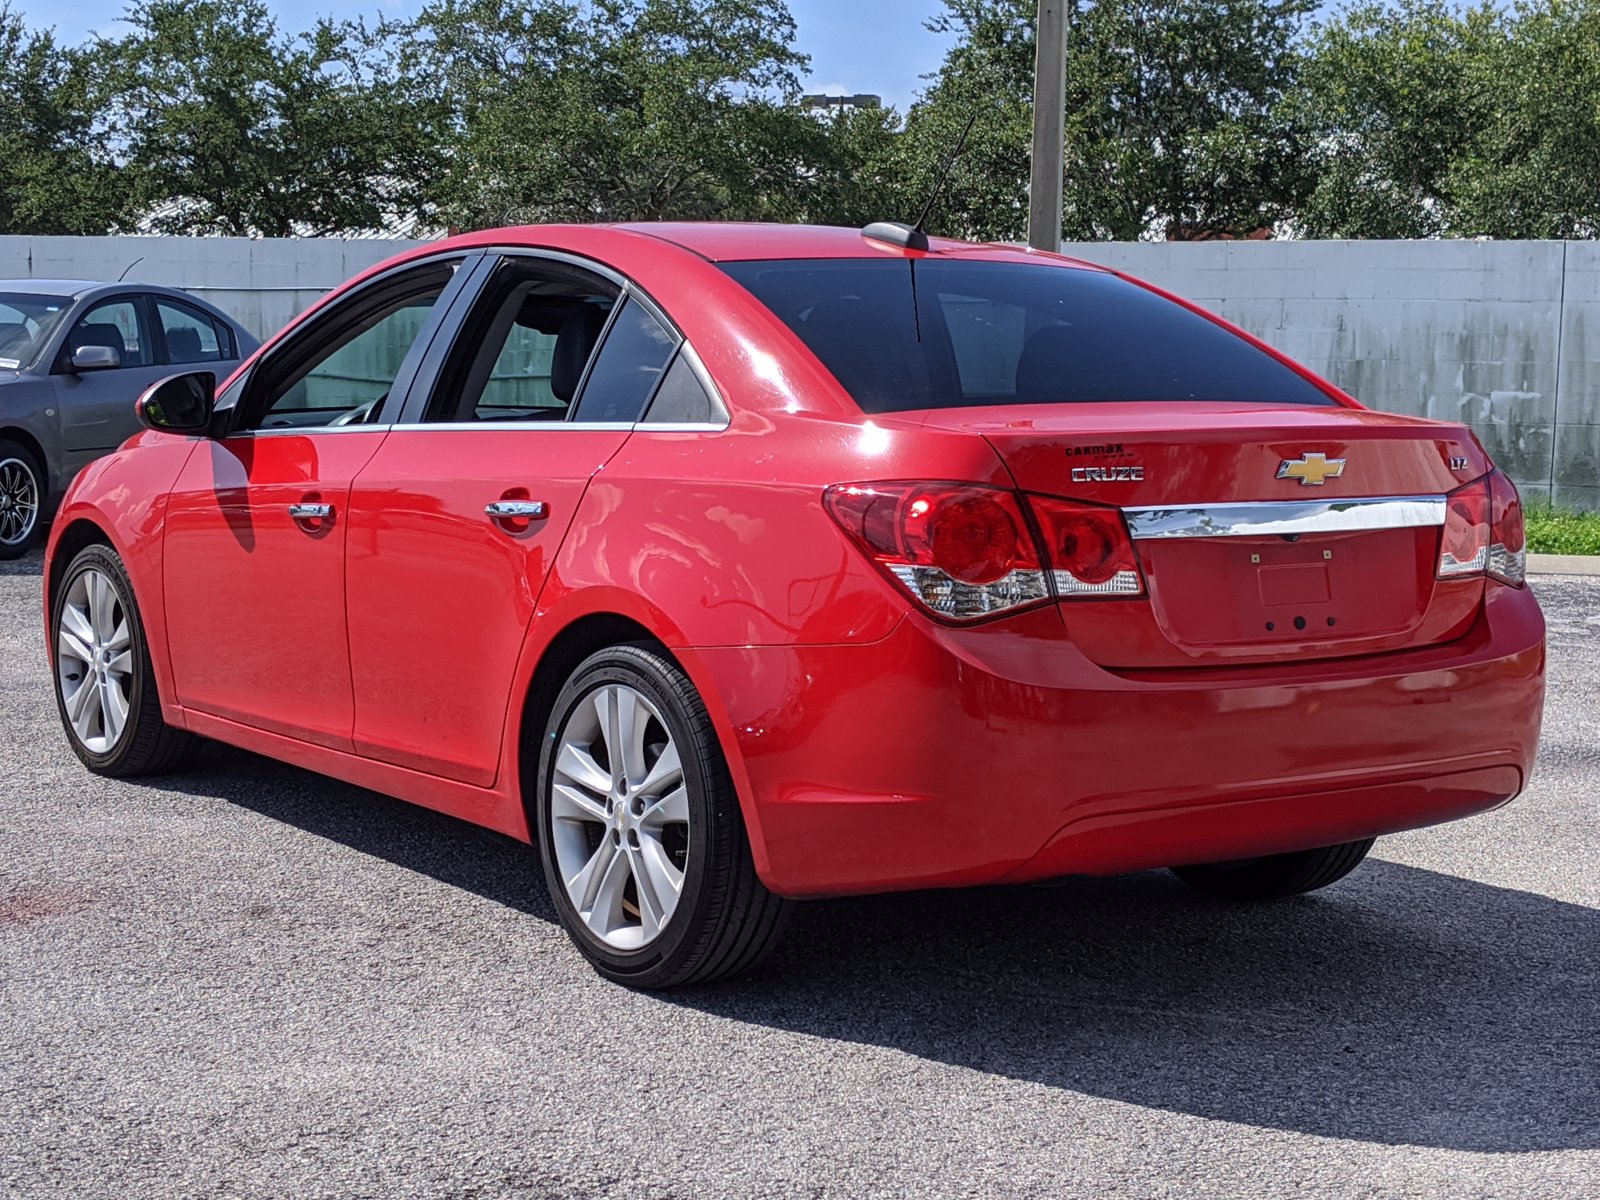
point(31, 563)
point(1400, 1006)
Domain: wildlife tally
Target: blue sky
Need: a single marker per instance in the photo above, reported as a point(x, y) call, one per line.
point(855, 45)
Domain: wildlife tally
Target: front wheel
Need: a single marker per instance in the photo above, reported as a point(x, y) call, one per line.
point(22, 490)
point(105, 685)
point(1276, 875)
point(643, 844)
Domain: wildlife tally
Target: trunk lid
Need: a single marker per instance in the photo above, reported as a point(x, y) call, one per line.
point(1265, 533)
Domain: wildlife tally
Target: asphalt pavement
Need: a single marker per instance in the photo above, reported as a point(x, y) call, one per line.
point(249, 981)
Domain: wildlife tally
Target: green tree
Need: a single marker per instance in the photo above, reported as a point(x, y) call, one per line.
point(229, 127)
point(1533, 168)
point(614, 109)
point(1392, 98)
point(1174, 118)
point(54, 175)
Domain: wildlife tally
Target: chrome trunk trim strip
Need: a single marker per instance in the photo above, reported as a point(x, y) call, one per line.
point(1271, 518)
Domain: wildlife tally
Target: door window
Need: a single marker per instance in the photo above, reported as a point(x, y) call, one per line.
point(339, 370)
point(523, 353)
point(682, 399)
point(191, 336)
point(119, 324)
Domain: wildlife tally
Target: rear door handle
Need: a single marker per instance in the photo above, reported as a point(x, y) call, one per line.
point(306, 511)
point(516, 510)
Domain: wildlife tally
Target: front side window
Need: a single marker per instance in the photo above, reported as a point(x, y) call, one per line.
point(191, 336)
point(118, 324)
point(902, 334)
point(340, 369)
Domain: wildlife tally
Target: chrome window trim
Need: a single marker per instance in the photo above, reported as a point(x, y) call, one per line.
point(307, 430)
point(1272, 518)
point(524, 426)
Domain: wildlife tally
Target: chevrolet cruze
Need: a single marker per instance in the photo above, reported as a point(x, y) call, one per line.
point(732, 565)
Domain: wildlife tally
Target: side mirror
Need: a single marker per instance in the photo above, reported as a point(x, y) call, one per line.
point(179, 403)
point(95, 358)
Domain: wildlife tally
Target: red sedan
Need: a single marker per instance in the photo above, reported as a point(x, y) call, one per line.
point(736, 564)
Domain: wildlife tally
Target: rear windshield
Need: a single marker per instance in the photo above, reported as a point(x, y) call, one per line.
point(903, 334)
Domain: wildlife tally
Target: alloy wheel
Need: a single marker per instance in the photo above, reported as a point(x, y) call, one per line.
point(19, 501)
point(619, 813)
point(94, 661)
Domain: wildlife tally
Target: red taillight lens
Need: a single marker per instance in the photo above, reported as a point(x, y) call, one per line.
point(1483, 532)
point(1089, 548)
point(1508, 544)
point(1464, 545)
point(962, 550)
point(967, 551)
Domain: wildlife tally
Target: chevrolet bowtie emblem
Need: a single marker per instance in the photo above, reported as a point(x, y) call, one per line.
point(1314, 469)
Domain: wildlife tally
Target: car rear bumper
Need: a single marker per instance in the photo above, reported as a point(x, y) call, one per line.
point(950, 757)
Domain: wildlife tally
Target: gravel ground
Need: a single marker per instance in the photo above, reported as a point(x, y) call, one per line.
point(251, 981)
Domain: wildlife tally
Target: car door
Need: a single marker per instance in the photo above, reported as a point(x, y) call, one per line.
point(457, 518)
point(257, 523)
point(95, 407)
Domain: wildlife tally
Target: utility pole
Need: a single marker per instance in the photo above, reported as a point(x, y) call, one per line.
point(1049, 126)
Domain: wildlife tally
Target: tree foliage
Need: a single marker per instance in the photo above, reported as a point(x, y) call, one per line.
point(228, 126)
point(54, 176)
point(1403, 118)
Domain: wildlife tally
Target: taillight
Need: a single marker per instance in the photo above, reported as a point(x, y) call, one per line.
point(1508, 545)
point(1483, 532)
point(963, 551)
point(967, 551)
point(1464, 546)
point(1088, 548)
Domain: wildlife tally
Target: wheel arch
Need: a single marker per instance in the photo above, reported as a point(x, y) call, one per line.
point(554, 659)
point(67, 544)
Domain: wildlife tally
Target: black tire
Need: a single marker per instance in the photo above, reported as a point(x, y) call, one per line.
point(1276, 875)
point(15, 460)
point(725, 921)
point(147, 744)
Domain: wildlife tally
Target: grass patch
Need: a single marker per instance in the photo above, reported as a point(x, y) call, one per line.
point(1562, 531)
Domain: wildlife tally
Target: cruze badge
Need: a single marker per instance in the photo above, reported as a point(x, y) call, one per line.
point(1107, 474)
point(1313, 469)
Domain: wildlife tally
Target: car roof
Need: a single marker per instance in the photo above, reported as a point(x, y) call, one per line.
point(49, 287)
point(744, 241)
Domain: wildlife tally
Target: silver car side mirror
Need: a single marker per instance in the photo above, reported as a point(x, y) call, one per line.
point(95, 358)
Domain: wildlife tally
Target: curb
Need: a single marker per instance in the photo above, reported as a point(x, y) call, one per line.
point(1564, 564)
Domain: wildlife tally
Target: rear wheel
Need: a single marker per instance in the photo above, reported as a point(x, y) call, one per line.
point(105, 685)
point(21, 499)
point(1276, 875)
point(643, 844)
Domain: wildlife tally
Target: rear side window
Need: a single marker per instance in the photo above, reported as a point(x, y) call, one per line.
point(191, 336)
point(627, 368)
point(929, 333)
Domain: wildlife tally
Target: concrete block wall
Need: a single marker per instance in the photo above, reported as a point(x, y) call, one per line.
point(1502, 335)
point(261, 283)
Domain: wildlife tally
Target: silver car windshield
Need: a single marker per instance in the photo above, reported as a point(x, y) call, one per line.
point(26, 323)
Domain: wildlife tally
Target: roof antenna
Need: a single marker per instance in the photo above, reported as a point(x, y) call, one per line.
point(915, 237)
point(129, 267)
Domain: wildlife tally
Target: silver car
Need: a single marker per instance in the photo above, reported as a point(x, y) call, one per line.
point(74, 356)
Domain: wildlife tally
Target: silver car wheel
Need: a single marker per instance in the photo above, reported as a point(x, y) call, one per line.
point(94, 661)
point(619, 815)
point(19, 501)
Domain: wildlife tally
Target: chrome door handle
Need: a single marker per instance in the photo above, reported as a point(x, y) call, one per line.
point(516, 510)
point(310, 512)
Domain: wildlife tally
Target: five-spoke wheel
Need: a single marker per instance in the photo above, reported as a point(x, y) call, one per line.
point(105, 685)
point(640, 831)
point(620, 816)
point(94, 660)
